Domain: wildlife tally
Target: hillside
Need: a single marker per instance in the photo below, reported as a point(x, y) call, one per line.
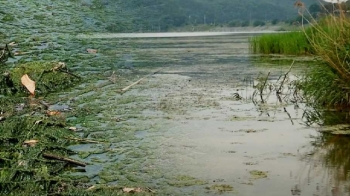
point(76, 16)
point(160, 15)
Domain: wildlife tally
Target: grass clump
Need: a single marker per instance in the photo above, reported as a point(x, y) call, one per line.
point(289, 43)
point(328, 84)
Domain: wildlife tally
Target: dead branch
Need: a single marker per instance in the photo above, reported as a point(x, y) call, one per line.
point(67, 72)
point(285, 76)
point(51, 156)
point(138, 81)
point(263, 87)
point(290, 117)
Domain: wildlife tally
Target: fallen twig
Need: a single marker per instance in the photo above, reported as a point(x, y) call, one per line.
point(91, 188)
point(51, 156)
point(138, 81)
point(290, 117)
point(67, 72)
point(150, 190)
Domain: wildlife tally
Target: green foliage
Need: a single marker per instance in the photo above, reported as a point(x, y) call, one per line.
point(234, 23)
point(39, 17)
point(274, 21)
point(329, 38)
point(299, 20)
point(258, 23)
point(329, 83)
point(23, 170)
point(47, 75)
point(245, 23)
point(315, 8)
point(291, 43)
point(162, 15)
point(8, 18)
point(322, 86)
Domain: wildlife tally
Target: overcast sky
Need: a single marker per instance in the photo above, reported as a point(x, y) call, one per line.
point(335, 1)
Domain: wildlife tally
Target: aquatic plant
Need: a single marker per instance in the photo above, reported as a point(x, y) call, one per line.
point(328, 83)
point(290, 43)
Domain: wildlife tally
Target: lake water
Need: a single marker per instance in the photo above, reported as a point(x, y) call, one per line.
point(195, 127)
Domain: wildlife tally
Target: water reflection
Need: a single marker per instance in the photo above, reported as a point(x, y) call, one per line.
point(329, 158)
point(324, 117)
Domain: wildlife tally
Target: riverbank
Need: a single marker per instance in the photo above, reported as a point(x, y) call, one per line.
point(326, 39)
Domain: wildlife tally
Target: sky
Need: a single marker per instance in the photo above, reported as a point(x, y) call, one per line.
point(335, 1)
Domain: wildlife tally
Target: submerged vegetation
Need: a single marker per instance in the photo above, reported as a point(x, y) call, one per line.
point(34, 139)
point(40, 142)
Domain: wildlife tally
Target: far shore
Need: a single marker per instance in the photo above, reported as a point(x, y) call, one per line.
point(170, 34)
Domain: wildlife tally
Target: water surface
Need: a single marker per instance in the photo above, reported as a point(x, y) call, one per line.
point(182, 131)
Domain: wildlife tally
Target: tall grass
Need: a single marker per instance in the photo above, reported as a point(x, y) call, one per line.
point(289, 43)
point(329, 84)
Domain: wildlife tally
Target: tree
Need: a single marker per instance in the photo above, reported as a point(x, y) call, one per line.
point(274, 21)
point(258, 23)
point(314, 8)
point(245, 23)
point(234, 23)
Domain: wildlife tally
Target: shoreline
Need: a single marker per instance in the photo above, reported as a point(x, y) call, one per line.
point(169, 34)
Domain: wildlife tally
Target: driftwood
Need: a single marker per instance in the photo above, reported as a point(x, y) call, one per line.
point(137, 82)
point(51, 156)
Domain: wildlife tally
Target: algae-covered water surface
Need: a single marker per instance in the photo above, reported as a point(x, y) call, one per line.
point(196, 126)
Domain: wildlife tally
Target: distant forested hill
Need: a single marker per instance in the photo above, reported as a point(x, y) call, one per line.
point(161, 14)
point(76, 16)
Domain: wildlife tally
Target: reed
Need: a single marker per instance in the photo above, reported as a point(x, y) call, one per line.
point(328, 84)
point(289, 43)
